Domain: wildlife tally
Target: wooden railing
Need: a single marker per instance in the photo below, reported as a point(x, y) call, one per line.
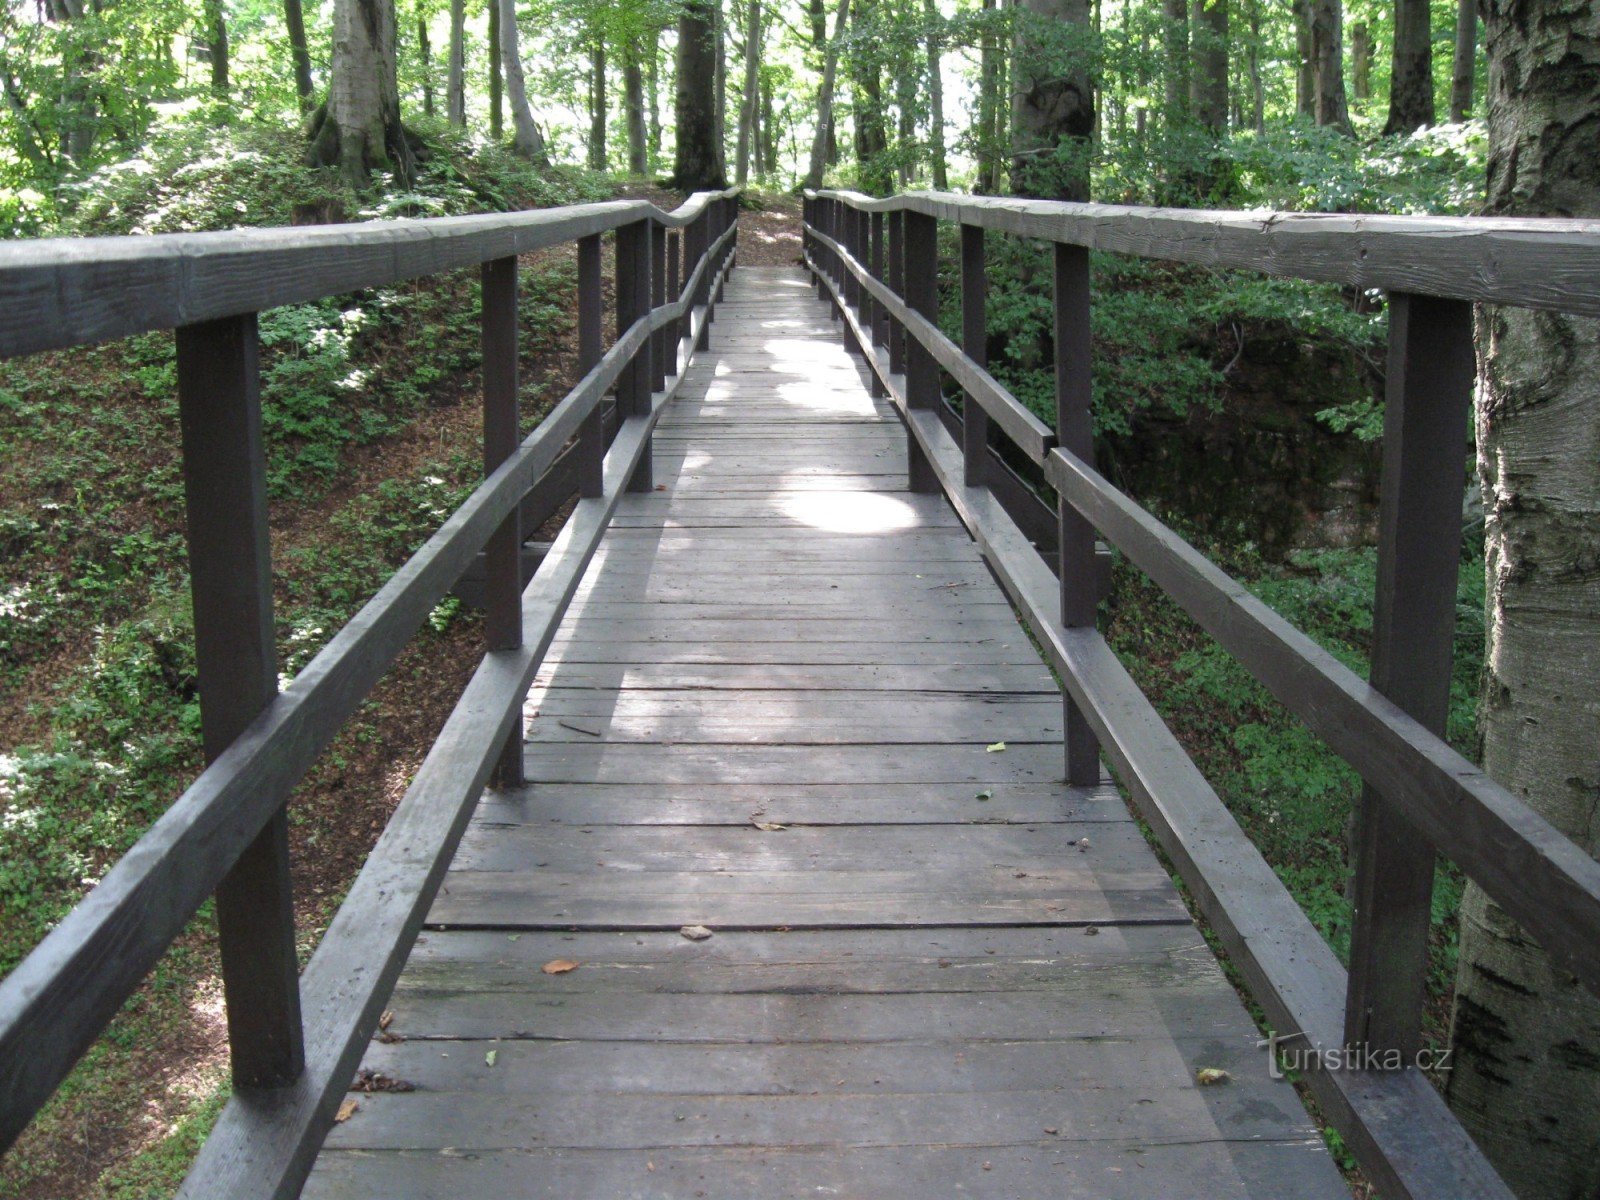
point(877, 260)
point(295, 1038)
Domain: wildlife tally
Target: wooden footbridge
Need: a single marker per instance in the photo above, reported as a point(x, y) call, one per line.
point(764, 854)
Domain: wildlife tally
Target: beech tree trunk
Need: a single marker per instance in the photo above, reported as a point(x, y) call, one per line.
point(698, 164)
point(1258, 89)
point(359, 127)
point(217, 34)
point(1411, 84)
point(872, 138)
point(1052, 106)
point(597, 104)
point(1175, 41)
point(750, 102)
point(1465, 59)
point(1327, 53)
point(634, 104)
point(1361, 61)
point(295, 22)
point(936, 156)
point(1526, 1078)
point(1209, 88)
point(526, 139)
point(497, 120)
point(824, 133)
point(990, 108)
point(455, 92)
point(1305, 77)
point(425, 53)
point(653, 86)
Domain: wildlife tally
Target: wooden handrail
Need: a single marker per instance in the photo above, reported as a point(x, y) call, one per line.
point(54, 1003)
point(1422, 793)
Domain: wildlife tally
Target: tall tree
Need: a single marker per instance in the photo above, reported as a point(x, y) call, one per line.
point(1208, 91)
point(455, 92)
point(359, 127)
point(526, 139)
point(425, 53)
point(295, 22)
point(497, 119)
point(872, 137)
point(1327, 54)
point(633, 103)
point(824, 130)
point(217, 47)
point(1175, 43)
point(1305, 78)
point(597, 101)
point(1258, 87)
point(1411, 81)
point(1361, 61)
point(1052, 100)
point(749, 106)
point(1466, 59)
point(1526, 1078)
point(990, 106)
point(653, 86)
point(935, 37)
point(698, 163)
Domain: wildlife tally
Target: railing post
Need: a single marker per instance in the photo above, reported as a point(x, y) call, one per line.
point(658, 297)
point(878, 316)
point(1428, 400)
point(850, 240)
point(694, 250)
point(591, 434)
point(633, 302)
point(897, 285)
point(502, 621)
point(921, 243)
point(230, 570)
point(670, 334)
point(711, 289)
point(974, 344)
point(1075, 433)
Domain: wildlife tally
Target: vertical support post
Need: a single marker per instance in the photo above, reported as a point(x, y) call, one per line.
point(502, 621)
point(849, 238)
point(712, 289)
point(230, 568)
point(974, 344)
point(670, 334)
point(633, 302)
point(878, 316)
point(591, 434)
point(694, 251)
point(1075, 433)
point(658, 297)
point(897, 285)
point(921, 244)
point(1427, 405)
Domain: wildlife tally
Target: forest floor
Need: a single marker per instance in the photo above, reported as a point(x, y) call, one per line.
point(128, 1120)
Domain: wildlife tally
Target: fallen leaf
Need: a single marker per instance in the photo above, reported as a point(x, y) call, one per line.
point(1083, 844)
point(986, 794)
point(559, 966)
point(996, 747)
point(695, 933)
point(376, 1081)
point(346, 1111)
point(488, 1059)
point(1051, 1130)
point(767, 826)
point(1090, 931)
point(387, 1019)
point(1207, 1076)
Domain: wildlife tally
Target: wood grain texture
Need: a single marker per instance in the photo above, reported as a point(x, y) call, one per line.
point(933, 965)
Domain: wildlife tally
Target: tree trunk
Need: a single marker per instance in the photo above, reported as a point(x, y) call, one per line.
point(769, 129)
point(425, 53)
point(1361, 61)
point(497, 120)
point(941, 178)
point(634, 104)
point(1258, 89)
point(1411, 84)
point(750, 102)
point(1305, 76)
point(872, 138)
point(1327, 52)
point(1526, 1078)
point(653, 84)
point(1052, 104)
point(526, 139)
point(719, 44)
point(1209, 87)
point(359, 128)
point(990, 150)
point(698, 164)
point(906, 69)
point(217, 33)
point(824, 133)
point(1465, 60)
point(1175, 39)
point(295, 21)
point(455, 98)
point(819, 26)
point(597, 104)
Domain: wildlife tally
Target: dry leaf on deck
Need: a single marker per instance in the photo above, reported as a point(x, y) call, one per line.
point(559, 966)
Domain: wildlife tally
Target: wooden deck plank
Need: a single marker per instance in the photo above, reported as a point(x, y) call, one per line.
point(944, 973)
